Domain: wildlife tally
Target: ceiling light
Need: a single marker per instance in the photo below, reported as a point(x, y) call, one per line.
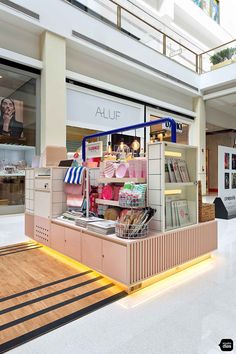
point(0, 76)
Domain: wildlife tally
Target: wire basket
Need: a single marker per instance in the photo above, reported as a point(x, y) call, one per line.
point(128, 203)
point(131, 231)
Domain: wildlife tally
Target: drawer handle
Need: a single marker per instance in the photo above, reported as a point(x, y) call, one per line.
point(102, 255)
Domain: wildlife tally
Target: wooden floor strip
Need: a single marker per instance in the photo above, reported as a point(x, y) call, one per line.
point(60, 322)
point(13, 248)
point(14, 245)
point(47, 296)
point(27, 249)
point(41, 291)
point(40, 287)
point(54, 307)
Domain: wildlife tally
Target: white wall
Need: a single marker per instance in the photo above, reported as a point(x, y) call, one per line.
point(220, 118)
point(227, 16)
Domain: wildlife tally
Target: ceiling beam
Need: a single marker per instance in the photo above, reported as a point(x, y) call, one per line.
point(218, 94)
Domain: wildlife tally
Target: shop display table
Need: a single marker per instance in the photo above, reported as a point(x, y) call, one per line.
point(134, 263)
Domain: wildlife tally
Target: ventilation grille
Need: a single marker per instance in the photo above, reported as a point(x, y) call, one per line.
point(159, 254)
point(21, 9)
point(42, 230)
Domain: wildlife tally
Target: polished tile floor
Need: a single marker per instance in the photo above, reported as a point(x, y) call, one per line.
point(187, 313)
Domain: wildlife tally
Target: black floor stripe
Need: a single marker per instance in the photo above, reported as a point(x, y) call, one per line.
point(9, 297)
point(53, 307)
point(28, 249)
point(47, 296)
point(60, 322)
point(18, 247)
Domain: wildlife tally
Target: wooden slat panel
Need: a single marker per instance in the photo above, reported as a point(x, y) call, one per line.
point(165, 251)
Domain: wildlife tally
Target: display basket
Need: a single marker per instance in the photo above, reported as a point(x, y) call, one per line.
point(206, 211)
point(131, 231)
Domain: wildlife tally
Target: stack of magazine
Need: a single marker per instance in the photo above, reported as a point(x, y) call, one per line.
point(104, 227)
point(84, 222)
point(177, 212)
point(176, 171)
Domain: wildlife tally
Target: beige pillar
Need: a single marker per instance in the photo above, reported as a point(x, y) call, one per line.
point(53, 90)
point(199, 138)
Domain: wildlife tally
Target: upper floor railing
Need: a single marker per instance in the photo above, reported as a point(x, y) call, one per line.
point(142, 27)
point(218, 57)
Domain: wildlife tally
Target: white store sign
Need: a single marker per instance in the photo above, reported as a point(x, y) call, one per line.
point(91, 110)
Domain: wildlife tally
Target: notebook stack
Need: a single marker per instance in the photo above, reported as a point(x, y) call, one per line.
point(104, 227)
point(84, 222)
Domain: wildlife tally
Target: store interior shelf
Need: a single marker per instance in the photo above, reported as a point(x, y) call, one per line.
point(180, 184)
point(121, 180)
point(116, 203)
point(107, 202)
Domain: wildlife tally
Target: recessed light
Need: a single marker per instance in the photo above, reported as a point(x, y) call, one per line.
point(0, 77)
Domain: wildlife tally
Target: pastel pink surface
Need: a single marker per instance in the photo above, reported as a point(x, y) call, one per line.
point(107, 192)
point(121, 171)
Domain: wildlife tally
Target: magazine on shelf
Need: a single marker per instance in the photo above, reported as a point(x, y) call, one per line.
point(182, 212)
point(171, 170)
point(173, 213)
point(176, 212)
point(175, 163)
point(167, 175)
point(168, 212)
point(183, 170)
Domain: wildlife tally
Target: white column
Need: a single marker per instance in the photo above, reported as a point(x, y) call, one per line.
point(53, 90)
point(199, 138)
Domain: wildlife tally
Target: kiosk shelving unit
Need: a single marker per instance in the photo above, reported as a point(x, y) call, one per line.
point(120, 181)
point(131, 263)
point(159, 190)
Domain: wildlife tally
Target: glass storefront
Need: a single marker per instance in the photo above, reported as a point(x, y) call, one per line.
point(159, 132)
point(17, 135)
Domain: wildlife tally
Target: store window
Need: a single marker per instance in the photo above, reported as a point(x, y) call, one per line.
point(161, 132)
point(75, 135)
point(17, 135)
point(210, 7)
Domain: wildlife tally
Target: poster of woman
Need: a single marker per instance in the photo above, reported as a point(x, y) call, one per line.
point(10, 124)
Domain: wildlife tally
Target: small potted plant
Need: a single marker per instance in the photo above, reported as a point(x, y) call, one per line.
point(223, 57)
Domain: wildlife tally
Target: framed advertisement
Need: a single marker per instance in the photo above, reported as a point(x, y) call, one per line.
point(227, 160)
point(226, 180)
point(233, 179)
point(11, 121)
point(233, 163)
